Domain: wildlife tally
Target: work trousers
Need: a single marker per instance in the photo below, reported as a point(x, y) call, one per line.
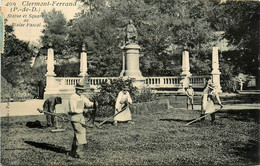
point(51, 120)
point(79, 138)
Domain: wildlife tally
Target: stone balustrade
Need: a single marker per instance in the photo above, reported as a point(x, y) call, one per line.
point(198, 81)
point(70, 82)
point(151, 82)
point(67, 81)
point(163, 82)
point(130, 69)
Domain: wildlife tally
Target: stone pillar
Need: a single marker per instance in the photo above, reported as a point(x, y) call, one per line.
point(215, 69)
point(83, 64)
point(185, 71)
point(50, 63)
point(51, 88)
point(84, 68)
point(123, 64)
point(132, 64)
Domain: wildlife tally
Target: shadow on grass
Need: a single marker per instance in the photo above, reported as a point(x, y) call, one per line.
point(46, 146)
point(241, 115)
point(107, 122)
point(36, 124)
point(177, 120)
point(248, 151)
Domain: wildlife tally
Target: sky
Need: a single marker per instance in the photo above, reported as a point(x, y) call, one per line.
point(25, 15)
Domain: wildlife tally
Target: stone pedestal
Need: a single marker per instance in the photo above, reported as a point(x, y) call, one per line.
point(184, 83)
point(132, 60)
point(132, 69)
point(215, 69)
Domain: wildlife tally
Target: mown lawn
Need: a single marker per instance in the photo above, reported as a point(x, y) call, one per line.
point(155, 139)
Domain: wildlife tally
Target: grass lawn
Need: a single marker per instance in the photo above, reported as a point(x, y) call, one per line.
point(160, 138)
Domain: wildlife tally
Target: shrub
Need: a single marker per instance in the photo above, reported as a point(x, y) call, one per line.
point(109, 91)
point(145, 95)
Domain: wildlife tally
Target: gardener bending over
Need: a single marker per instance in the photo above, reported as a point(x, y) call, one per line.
point(49, 106)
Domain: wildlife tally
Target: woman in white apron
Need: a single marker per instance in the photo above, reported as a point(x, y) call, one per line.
point(209, 94)
point(122, 104)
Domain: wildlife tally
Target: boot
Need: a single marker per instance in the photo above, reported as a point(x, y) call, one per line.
point(202, 118)
point(212, 118)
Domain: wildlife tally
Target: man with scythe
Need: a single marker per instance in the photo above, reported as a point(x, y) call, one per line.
point(77, 103)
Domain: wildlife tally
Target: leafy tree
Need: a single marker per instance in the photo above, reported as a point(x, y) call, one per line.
point(165, 28)
point(17, 55)
point(16, 69)
point(242, 31)
point(55, 31)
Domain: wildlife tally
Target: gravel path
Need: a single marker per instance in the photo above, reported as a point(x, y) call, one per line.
point(29, 107)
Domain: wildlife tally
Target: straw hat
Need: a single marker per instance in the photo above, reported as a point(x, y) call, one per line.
point(80, 86)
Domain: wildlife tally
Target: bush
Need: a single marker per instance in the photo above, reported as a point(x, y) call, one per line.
point(109, 91)
point(145, 95)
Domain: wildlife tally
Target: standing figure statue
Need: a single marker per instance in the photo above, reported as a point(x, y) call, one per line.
point(131, 33)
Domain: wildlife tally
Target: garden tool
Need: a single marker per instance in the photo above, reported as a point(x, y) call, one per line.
point(203, 116)
point(123, 108)
point(57, 128)
point(64, 118)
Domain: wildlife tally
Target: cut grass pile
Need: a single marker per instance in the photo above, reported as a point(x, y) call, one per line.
point(158, 138)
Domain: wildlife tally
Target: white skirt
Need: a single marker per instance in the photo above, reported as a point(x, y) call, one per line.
point(123, 116)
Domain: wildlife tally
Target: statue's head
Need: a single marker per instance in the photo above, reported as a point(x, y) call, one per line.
point(83, 47)
point(50, 44)
point(130, 21)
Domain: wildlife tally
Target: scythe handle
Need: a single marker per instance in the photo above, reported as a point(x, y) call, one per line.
point(53, 114)
point(203, 116)
point(63, 118)
point(123, 109)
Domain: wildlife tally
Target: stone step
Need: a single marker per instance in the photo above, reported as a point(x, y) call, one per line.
point(253, 92)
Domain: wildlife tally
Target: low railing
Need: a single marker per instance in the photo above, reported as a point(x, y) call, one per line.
point(67, 81)
point(198, 81)
point(70, 82)
point(163, 82)
point(151, 82)
point(100, 80)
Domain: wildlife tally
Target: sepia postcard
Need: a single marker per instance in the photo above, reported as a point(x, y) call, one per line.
point(129, 82)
